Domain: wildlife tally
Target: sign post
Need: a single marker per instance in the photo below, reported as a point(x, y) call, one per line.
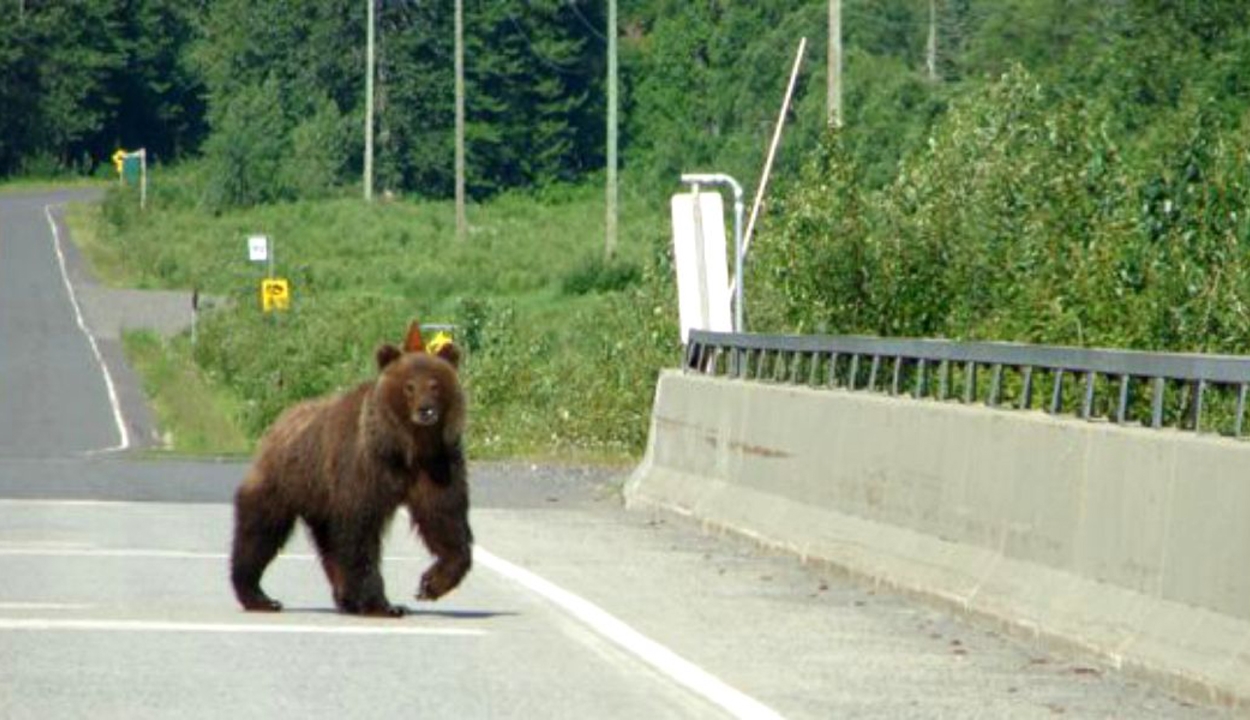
point(275, 293)
point(124, 161)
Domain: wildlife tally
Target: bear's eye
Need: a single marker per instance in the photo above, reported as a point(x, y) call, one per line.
point(410, 388)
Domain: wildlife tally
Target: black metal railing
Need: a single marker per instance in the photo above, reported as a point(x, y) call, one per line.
point(1188, 391)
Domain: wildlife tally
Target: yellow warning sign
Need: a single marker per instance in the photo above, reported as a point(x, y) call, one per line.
point(441, 338)
point(275, 294)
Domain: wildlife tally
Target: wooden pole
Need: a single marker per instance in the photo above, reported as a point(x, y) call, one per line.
point(610, 221)
point(931, 46)
point(462, 223)
point(368, 178)
point(834, 74)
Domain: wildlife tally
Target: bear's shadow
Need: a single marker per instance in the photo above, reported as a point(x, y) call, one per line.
point(409, 612)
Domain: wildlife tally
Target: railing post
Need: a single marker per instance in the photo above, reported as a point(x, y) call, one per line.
point(1056, 397)
point(1026, 393)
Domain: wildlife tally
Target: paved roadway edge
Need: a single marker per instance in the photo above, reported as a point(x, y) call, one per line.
point(123, 442)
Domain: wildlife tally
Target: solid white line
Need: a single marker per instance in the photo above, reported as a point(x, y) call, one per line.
point(124, 434)
point(684, 672)
point(43, 606)
point(153, 626)
point(60, 502)
point(35, 551)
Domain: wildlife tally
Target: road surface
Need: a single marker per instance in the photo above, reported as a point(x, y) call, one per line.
point(115, 601)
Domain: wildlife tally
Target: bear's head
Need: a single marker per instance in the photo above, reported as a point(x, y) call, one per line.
point(420, 392)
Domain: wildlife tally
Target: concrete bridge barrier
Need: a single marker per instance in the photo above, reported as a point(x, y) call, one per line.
point(1129, 543)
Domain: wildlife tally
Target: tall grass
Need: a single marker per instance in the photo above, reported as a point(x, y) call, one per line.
point(562, 346)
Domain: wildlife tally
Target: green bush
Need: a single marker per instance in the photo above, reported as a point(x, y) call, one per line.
point(247, 149)
point(318, 153)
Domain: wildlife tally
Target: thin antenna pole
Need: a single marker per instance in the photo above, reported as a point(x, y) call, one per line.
point(772, 149)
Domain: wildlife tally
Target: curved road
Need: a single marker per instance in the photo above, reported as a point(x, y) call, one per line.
point(114, 601)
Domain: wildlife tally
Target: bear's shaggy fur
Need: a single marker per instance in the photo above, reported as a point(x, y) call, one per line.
point(344, 464)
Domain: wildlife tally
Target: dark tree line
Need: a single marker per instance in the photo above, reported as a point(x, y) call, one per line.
point(270, 93)
point(78, 79)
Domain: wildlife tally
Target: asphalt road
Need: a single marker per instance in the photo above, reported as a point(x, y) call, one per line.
point(114, 601)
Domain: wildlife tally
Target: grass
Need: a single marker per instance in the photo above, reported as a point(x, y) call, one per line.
point(107, 263)
point(563, 347)
point(193, 416)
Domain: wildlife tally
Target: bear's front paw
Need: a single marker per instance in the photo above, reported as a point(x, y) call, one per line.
point(430, 589)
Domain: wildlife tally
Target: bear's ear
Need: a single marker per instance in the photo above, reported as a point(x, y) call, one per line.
point(449, 352)
point(414, 343)
point(386, 355)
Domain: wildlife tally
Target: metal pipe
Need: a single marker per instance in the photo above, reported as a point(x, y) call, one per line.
point(696, 179)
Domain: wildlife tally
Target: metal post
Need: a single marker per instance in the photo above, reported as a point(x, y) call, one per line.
point(143, 177)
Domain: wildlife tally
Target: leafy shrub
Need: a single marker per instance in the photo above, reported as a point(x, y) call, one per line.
point(247, 148)
point(318, 153)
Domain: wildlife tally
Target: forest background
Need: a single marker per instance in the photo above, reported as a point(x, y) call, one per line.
point(1036, 170)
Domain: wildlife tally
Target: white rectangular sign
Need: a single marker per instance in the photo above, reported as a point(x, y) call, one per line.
point(701, 258)
point(258, 248)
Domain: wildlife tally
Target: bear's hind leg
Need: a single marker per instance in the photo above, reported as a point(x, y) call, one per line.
point(330, 561)
point(259, 533)
point(359, 562)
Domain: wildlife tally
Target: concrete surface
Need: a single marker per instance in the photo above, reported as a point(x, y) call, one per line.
point(1130, 544)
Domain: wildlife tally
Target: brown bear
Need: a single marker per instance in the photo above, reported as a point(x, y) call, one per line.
point(344, 464)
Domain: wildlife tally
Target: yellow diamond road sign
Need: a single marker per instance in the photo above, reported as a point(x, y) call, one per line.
point(275, 294)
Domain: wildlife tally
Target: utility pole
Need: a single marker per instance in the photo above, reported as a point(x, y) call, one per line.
point(610, 240)
point(368, 179)
point(462, 223)
point(931, 46)
point(834, 73)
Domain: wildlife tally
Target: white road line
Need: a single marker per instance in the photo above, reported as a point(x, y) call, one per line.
point(682, 671)
point(43, 606)
point(390, 627)
point(71, 503)
point(124, 434)
point(35, 551)
point(45, 544)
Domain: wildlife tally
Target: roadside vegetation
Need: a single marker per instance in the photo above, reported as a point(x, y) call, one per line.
point(562, 346)
point(194, 416)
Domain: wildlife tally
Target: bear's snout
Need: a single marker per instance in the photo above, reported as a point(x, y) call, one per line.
point(426, 414)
